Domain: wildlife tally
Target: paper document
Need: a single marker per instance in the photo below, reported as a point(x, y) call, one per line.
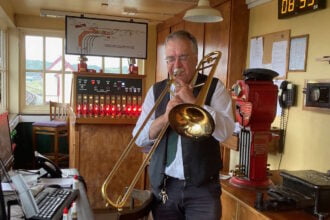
point(6, 187)
point(63, 182)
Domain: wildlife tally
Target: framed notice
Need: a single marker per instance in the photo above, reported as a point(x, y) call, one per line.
point(298, 53)
point(100, 37)
point(271, 51)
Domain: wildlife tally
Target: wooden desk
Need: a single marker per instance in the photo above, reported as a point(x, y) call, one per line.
point(84, 210)
point(238, 203)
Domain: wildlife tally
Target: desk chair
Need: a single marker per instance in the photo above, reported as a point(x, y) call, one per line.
point(145, 197)
point(57, 127)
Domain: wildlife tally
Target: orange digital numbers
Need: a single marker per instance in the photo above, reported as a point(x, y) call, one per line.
point(291, 5)
point(311, 3)
point(288, 8)
point(302, 4)
point(284, 6)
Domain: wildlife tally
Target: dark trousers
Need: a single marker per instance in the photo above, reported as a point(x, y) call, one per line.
point(188, 202)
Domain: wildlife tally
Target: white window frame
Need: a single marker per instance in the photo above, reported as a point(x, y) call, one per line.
point(36, 109)
point(44, 109)
point(4, 70)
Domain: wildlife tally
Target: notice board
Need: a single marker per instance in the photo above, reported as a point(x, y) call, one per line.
point(271, 51)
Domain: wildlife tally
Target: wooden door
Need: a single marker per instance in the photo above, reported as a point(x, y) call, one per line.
point(177, 27)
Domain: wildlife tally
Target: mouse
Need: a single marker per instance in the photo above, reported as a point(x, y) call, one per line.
point(54, 186)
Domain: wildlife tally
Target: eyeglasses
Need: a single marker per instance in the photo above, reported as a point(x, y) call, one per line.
point(172, 59)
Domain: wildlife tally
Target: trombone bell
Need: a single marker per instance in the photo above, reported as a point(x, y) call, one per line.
point(191, 121)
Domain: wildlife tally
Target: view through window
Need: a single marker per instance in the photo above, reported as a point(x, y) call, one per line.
point(48, 70)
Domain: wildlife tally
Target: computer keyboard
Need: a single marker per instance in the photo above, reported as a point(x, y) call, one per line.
point(51, 202)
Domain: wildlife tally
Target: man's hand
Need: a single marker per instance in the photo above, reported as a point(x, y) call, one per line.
point(161, 121)
point(184, 92)
point(171, 104)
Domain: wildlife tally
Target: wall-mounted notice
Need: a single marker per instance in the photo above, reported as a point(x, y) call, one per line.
point(298, 53)
point(99, 37)
point(270, 51)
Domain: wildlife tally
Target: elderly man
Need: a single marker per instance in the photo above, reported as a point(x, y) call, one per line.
point(183, 172)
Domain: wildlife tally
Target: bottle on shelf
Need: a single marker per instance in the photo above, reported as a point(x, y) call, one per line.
point(65, 214)
point(74, 215)
point(75, 184)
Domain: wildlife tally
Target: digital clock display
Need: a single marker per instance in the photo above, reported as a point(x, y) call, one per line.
point(288, 8)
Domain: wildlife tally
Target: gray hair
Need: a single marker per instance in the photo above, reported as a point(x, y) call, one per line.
point(185, 35)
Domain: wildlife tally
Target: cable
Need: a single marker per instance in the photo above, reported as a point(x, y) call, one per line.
point(283, 126)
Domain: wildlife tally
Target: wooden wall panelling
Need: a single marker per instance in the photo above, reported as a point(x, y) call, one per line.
point(214, 3)
point(225, 157)
point(217, 38)
point(161, 71)
point(238, 41)
point(228, 36)
point(178, 26)
point(74, 150)
point(197, 29)
point(73, 140)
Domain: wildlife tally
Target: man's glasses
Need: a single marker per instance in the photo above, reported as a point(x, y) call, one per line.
point(172, 59)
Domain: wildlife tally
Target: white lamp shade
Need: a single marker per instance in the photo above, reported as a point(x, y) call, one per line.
point(203, 13)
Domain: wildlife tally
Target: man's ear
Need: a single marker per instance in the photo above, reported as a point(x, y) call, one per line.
point(196, 59)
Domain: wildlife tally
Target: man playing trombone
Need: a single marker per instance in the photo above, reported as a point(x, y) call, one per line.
point(183, 171)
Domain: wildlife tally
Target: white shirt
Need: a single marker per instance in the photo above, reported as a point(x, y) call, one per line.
point(220, 109)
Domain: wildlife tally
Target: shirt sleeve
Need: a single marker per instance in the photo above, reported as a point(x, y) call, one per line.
point(221, 110)
point(143, 138)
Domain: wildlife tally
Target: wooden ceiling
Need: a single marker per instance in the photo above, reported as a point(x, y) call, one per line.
point(151, 10)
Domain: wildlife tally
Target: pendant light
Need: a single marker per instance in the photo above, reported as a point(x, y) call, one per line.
point(203, 13)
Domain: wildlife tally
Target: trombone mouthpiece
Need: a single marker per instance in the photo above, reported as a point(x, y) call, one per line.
point(177, 71)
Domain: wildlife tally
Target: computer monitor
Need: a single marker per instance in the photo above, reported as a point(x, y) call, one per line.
point(6, 153)
point(3, 214)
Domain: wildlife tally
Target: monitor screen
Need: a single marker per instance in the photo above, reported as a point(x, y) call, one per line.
point(6, 155)
point(3, 214)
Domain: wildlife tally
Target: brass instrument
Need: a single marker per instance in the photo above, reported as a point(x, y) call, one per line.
point(189, 120)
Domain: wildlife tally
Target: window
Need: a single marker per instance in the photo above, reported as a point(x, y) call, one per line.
point(48, 70)
point(3, 71)
point(45, 79)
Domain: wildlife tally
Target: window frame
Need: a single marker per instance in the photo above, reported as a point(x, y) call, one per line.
point(44, 109)
point(4, 70)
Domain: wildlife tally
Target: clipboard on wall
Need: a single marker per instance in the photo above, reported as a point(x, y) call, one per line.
point(271, 51)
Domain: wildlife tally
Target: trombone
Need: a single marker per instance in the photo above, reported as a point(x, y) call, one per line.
point(189, 120)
